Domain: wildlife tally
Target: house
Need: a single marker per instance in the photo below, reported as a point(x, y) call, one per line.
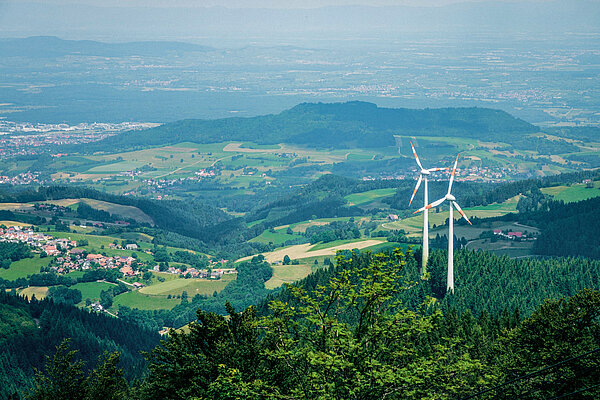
point(392, 217)
point(131, 246)
point(138, 285)
point(94, 256)
point(127, 271)
point(513, 235)
point(51, 250)
point(497, 231)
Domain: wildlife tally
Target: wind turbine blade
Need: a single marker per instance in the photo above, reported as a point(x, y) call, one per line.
point(416, 188)
point(428, 206)
point(461, 212)
point(416, 156)
point(452, 175)
point(438, 169)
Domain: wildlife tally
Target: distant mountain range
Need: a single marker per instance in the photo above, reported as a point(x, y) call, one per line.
point(52, 46)
point(74, 20)
point(332, 125)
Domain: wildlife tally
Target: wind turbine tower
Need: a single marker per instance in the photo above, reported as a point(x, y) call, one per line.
point(453, 204)
point(423, 177)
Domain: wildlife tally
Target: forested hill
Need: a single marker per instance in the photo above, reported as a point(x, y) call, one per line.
point(29, 330)
point(334, 125)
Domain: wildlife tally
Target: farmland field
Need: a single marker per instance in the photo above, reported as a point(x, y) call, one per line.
point(366, 197)
point(278, 237)
point(302, 251)
point(91, 290)
point(573, 193)
point(23, 268)
point(142, 301)
point(40, 292)
point(191, 286)
point(287, 274)
point(414, 225)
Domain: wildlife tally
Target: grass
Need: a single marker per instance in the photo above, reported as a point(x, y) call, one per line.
point(142, 301)
point(321, 246)
point(40, 292)
point(124, 211)
point(23, 268)
point(13, 223)
point(576, 192)
point(414, 224)
point(369, 196)
point(287, 274)
point(191, 286)
point(502, 247)
point(91, 290)
point(277, 237)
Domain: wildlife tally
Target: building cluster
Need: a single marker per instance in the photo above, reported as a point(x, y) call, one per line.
point(26, 235)
point(68, 256)
point(216, 273)
point(489, 174)
point(23, 138)
point(164, 183)
point(24, 178)
point(513, 235)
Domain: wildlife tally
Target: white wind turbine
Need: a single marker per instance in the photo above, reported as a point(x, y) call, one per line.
point(452, 200)
point(423, 176)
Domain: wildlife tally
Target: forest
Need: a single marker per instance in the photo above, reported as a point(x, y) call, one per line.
point(334, 125)
point(352, 335)
point(31, 329)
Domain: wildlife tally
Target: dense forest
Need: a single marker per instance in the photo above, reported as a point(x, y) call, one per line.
point(335, 125)
point(29, 330)
point(566, 229)
point(351, 336)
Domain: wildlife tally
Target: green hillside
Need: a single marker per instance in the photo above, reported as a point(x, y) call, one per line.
point(333, 125)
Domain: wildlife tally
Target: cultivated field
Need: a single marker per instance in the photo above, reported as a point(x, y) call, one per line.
point(287, 274)
point(40, 292)
point(23, 268)
point(301, 251)
point(573, 193)
point(91, 290)
point(414, 225)
point(357, 199)
point(191, 286)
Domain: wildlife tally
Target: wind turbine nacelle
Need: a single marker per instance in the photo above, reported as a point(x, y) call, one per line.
point(450, 197)
point(425, 172)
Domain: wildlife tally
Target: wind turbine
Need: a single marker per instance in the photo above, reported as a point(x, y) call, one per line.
point(452, 200)
point(423, 175)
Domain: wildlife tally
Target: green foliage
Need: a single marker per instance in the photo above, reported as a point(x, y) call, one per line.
point(29, 330)
point(335, 125)
point(558, 330)
point(336, 230)
point(65, 295)
point(10, 252)
point(64, 378)
point(349, 338)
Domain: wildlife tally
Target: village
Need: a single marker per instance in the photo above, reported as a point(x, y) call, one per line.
point(71, 256)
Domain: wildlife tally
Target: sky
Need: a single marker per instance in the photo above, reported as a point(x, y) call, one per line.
point(256, 3)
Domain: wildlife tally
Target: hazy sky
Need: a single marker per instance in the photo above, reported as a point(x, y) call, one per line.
point(256, 3)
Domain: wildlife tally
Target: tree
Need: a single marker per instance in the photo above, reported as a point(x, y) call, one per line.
point(106, 299)
point(349, 339)
point(63, 378)
point(197, 363)
point(106, 381)
point(286, 260)
point(558, 330)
